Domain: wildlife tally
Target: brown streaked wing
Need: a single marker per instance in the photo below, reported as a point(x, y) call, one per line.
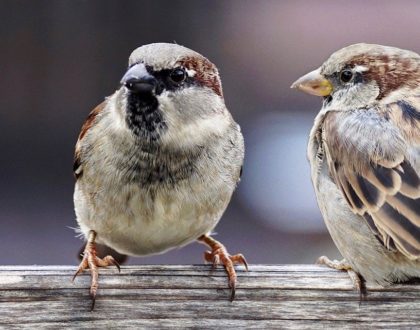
point(379, 183)
point(77, 164)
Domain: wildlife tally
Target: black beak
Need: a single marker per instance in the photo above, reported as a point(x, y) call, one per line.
point(138, 80)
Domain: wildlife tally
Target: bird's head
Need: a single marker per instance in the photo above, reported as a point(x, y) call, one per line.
point(169, 92)
point(361, 75)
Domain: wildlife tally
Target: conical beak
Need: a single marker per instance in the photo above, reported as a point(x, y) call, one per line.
point(313, 83)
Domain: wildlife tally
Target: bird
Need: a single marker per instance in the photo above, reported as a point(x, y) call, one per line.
point(364, 155)
point(156, 163)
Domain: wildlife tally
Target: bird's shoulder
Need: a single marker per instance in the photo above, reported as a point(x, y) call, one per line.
point(86, 127)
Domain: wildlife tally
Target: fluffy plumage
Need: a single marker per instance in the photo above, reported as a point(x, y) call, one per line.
point(157, 162)
point(364, 153)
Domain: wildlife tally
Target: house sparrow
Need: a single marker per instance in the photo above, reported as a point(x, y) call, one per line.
point(157, 162)
point(364, 152)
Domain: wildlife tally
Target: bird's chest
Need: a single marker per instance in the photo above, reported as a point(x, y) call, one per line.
point(148, 206)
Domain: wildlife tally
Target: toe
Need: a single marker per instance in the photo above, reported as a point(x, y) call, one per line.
point(219, 255)
point(323, 260)
point(108, 261)
point(83, 265)
point(232, 280)
point(335, 264)
point(208, 256)
point(239, 259)
point(216, 260)
point(358, 283)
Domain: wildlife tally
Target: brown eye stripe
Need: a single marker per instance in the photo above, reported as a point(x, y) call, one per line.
point(390, 73)
point(206, 73)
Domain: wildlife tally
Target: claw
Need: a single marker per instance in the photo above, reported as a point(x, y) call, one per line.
point(116, 264)
point(232, 292)
point(107, 261)
point(240, 259)
point(358, 283)
point(357, 280)
point(92, 262)
point(219, 256)
point(92, 307)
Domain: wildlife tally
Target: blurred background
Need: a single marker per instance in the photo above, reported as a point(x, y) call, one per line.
point(59, 59)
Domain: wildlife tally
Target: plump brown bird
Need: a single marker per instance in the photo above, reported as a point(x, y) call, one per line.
point(364, 152)
point(157, 162)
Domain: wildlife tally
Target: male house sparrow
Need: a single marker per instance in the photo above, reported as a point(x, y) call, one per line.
point(157, 162)
point(364, 152)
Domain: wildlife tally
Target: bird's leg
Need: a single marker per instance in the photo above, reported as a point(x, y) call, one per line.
point(357, 280)
point(92, 262)
point(219, 255)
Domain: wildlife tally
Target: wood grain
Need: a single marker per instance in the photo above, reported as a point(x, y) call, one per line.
point(268, 296)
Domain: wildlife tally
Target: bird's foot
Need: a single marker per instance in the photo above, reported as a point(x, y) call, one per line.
point(91, 261)
point(219, 256)
point(357, 280)
point(335, 264)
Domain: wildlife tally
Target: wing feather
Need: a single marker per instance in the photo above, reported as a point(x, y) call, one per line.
point(371, 196)
point(410, 185)
point(386, 179)
point(350, 195)
point(89, 122)
point(408, 207)
point(368, 158)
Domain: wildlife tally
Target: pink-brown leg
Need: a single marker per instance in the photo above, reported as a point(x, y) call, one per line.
point(219, 256)
point(357, 280)
point(92, 261)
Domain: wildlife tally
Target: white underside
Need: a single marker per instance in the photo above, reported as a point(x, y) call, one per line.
point(133, 223)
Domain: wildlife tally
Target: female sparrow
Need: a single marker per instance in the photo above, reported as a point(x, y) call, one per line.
point(157, 162)
point(364, 152)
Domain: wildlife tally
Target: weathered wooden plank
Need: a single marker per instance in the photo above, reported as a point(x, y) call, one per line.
point(215, 324)
point(269, 296)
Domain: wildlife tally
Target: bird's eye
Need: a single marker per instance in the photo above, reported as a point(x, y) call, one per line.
point(346, 75)
point(178, 75)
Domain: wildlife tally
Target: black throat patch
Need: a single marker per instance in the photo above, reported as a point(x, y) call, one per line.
point(144, 117)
